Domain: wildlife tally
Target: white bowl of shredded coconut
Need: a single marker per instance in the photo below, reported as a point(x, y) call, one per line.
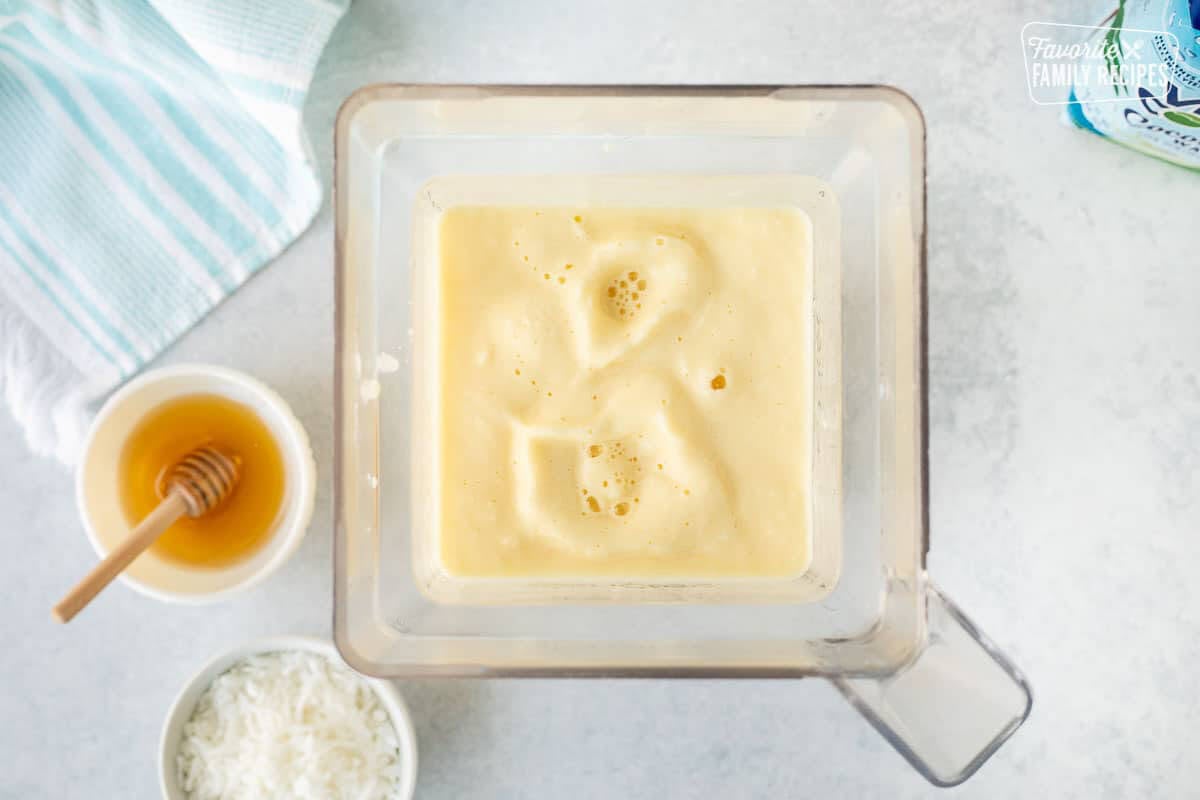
point(286, 718)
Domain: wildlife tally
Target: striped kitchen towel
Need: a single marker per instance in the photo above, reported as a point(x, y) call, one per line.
point(152, 158)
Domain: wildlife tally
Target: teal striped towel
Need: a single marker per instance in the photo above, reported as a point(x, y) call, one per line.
point(152, 158)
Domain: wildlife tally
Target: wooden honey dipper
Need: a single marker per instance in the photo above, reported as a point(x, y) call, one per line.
point(195, 485)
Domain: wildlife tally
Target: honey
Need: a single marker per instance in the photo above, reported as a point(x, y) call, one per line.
point(237, 528)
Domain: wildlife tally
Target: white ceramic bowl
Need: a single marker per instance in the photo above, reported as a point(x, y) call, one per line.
point(96, 481)
point(185, 704)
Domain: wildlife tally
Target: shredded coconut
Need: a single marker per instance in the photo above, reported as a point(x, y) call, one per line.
point(289, 724)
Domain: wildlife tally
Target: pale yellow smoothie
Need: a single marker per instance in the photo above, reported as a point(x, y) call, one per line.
point(624, 392)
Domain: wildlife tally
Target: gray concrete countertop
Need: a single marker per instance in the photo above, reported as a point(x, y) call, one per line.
point(1065, 448)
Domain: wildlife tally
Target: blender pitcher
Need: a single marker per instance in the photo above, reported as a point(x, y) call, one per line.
point(865, 615)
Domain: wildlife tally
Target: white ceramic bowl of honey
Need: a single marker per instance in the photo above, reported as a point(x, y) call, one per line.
point(157, 417)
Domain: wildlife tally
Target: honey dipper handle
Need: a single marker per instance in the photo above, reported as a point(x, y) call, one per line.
point(170, 509)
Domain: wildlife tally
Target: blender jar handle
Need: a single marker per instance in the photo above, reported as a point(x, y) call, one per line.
point(953, 705)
